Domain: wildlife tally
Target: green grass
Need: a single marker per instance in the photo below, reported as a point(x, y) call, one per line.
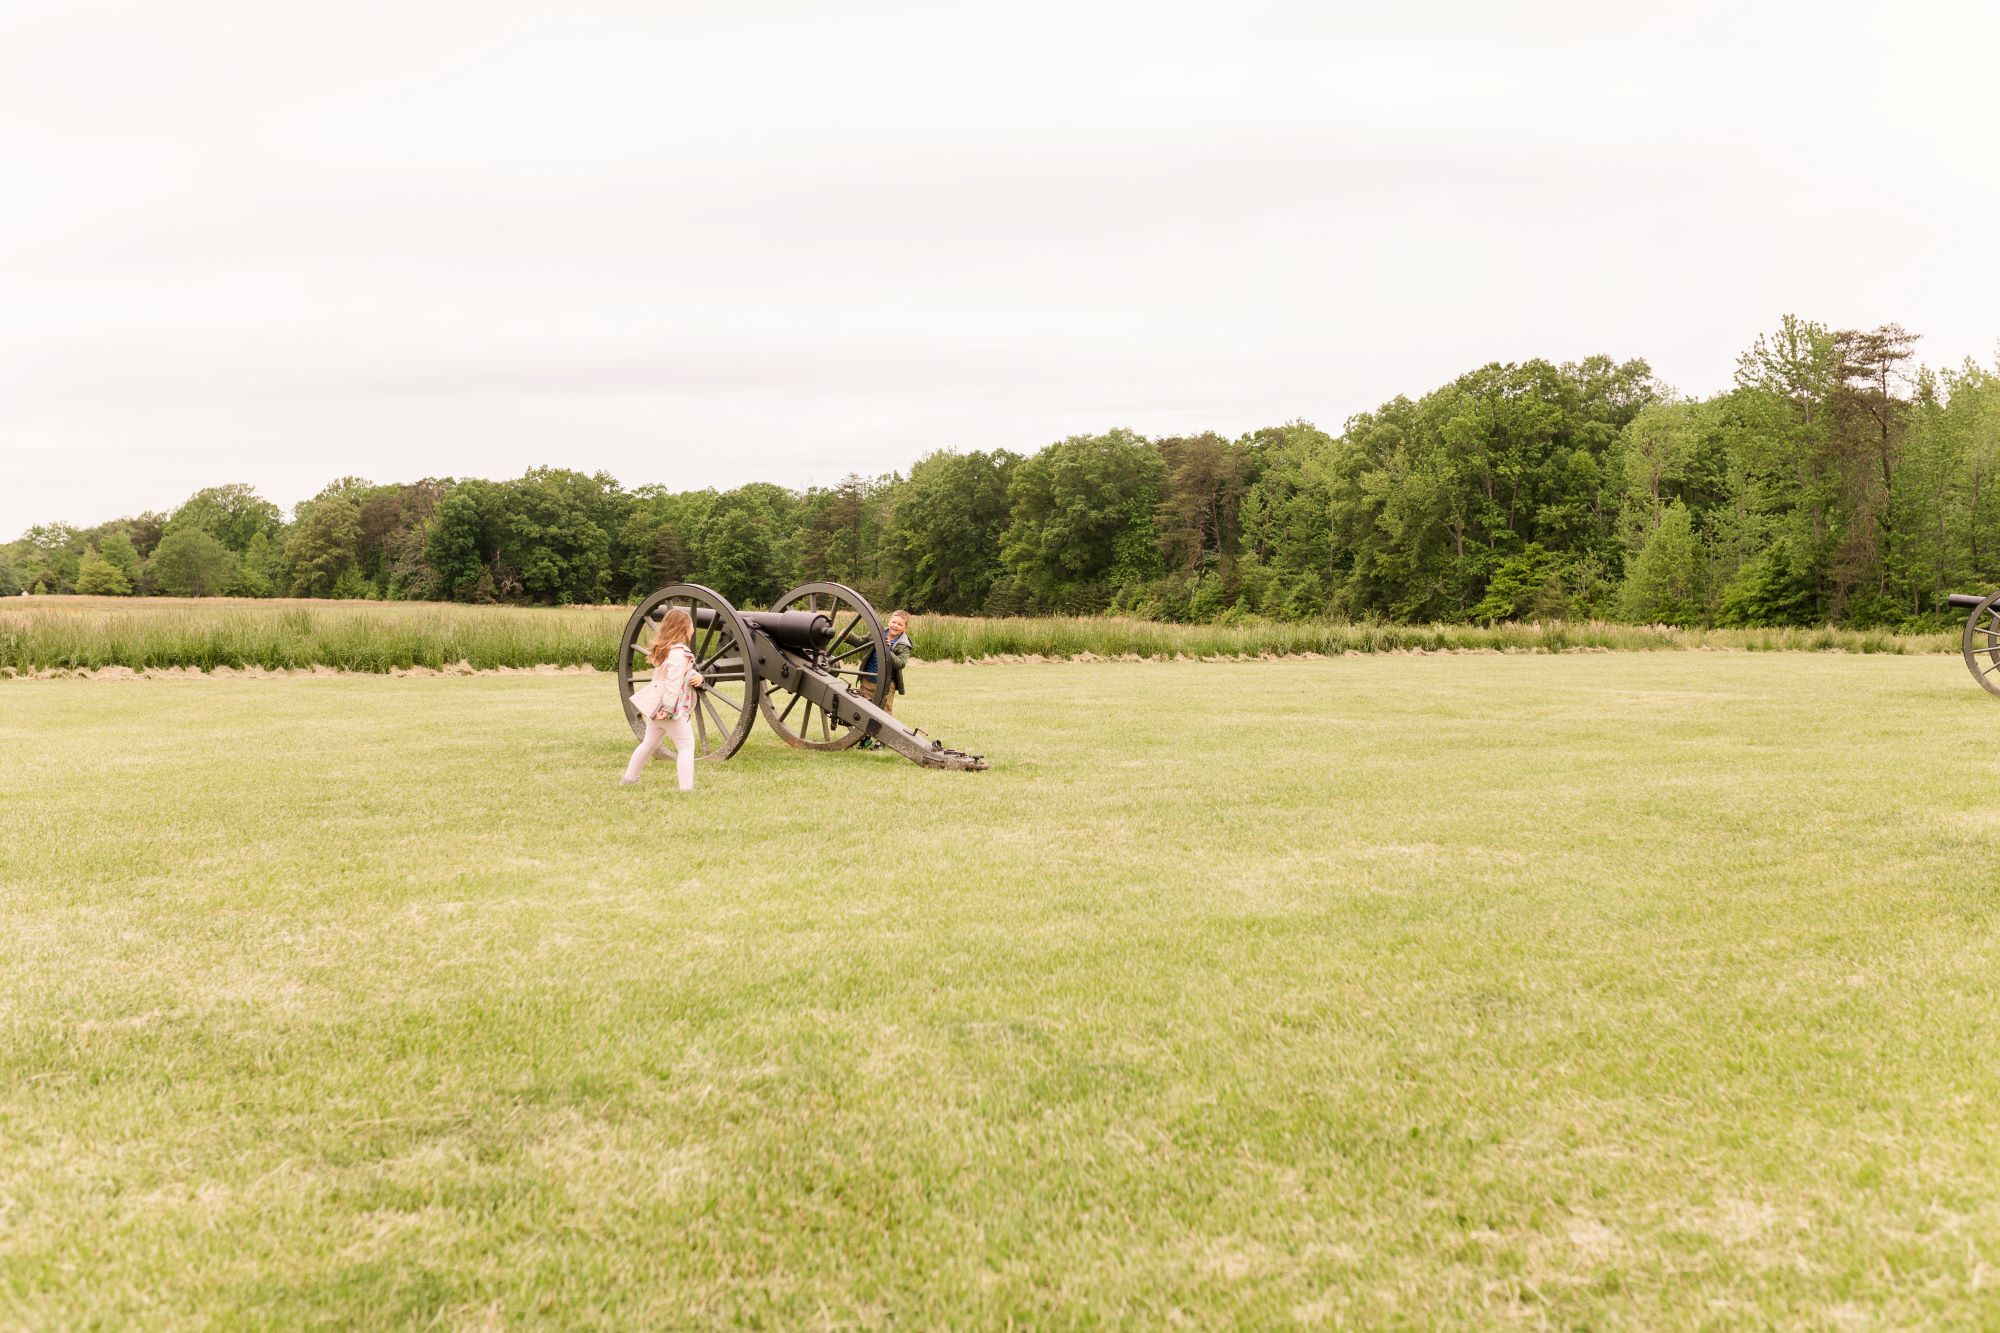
point(1599, 990)
point(87, 633)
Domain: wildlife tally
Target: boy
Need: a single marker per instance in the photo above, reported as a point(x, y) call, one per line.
point(900, 651)
point(897, 631)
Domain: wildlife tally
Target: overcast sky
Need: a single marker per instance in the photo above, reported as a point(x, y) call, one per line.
point(702, 245)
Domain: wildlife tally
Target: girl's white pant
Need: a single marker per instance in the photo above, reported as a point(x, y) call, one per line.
point(681, 734)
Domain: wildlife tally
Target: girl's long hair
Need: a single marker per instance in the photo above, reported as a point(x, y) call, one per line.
point(676, 627)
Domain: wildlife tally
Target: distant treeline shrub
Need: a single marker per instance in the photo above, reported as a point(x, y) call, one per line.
point(1835, 482)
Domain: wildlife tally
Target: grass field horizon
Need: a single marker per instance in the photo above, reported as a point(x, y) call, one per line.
point(1632, 989)
point(88, 633)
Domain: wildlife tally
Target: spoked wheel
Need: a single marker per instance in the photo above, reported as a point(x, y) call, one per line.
point(1982, 643)
point(857, 637)
point(726, 707)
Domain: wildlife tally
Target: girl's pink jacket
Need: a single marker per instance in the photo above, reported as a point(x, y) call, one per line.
point(669, 685)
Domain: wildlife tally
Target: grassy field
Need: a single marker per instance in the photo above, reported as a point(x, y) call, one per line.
point(1636, 990)
point(85, 633)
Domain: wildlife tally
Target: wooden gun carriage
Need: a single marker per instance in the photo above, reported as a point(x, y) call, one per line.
point(816, 665)
point(1982, 636)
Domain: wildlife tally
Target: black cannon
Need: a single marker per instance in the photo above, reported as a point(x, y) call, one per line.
point(1982, 636)
point(816, 665)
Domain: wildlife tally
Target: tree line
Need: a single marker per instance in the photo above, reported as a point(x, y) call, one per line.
point(1837, 480)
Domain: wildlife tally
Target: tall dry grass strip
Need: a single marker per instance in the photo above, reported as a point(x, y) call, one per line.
point(86, 633)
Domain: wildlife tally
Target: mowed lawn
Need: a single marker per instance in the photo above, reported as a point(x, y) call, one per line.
point(1650, 989)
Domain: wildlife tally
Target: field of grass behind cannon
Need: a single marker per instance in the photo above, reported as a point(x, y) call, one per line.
point(39, 634)
point(1646, 989)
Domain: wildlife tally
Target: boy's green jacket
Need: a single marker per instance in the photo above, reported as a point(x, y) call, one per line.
point(899, 654)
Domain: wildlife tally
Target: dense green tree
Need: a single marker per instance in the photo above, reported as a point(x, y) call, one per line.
point(552, 535)
point(48, 555)
point(1200, 516)
point(1293, 547)
point(1784, 485)
point(325, 542)
point(354, 586)
point(1451, 487)
point(189, 562)
point(1957, 504)
point(1780, 585)
point(231, 514)
point(655, 544)
point(1671, 450)
point(741, 549)
point(1082, 520)
point(1527, 585)
point(1666, 584)
point(459, 544)
point(945, 530)
point(98, 577)
point(395, 523)
point(1870, 414)
point(258, 573)
point(117, 548)
point(10, 579)
point(146, 531)
point(841, 534)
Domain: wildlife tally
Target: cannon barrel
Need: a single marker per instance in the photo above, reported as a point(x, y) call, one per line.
point(1965, 600)
point(791, 629)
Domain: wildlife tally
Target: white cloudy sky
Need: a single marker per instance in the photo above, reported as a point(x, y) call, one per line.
point(707, 244)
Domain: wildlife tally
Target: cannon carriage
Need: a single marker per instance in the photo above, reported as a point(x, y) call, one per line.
point(1981, 641)
point(816, 665)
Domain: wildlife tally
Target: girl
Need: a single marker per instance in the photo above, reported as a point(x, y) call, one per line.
point(667, 699)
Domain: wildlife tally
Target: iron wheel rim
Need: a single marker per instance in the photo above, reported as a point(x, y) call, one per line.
point(1981, 643)
point(856, 628)
point(726, 708)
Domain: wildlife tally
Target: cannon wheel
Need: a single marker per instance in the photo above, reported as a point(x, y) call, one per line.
point(1982, 643)
point(856, 630)
point(726, 708)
